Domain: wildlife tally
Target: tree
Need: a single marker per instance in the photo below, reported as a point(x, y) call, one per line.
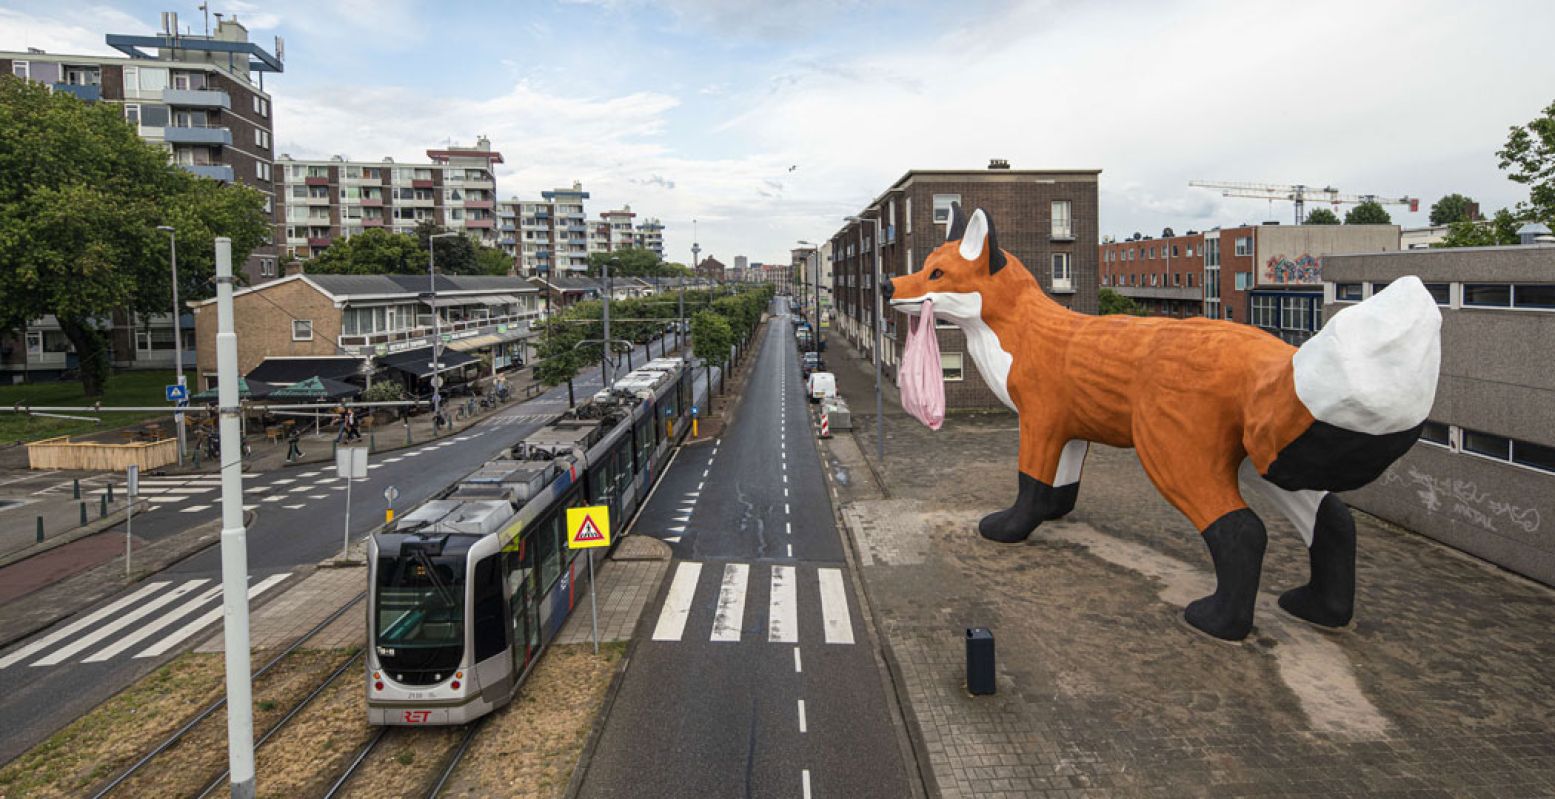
point(631, 262)
point(1529, 158)
point(1111, 302)
point(374, 251)
point(711, 338)
point(1321, 216)
point(1453, 208)
point(492, 261)
point(455, 254)
point(1367, 213)
point(1500, 229)
point(81, 196)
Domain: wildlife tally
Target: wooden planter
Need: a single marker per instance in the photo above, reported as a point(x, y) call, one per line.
point(62, 453)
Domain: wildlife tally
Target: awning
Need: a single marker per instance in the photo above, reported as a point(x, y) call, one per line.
point(419, 362)
point(444, 302)
point(475, 343)
point(497, 299)
point(316, 388)
point(286, 371)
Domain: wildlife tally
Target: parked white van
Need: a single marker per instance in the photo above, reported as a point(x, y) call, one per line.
point(821, 385)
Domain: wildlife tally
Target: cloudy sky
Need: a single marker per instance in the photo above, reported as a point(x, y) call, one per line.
point(769, 121)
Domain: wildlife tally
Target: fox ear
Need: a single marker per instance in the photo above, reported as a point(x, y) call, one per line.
point(979, 237)
point(955, 227)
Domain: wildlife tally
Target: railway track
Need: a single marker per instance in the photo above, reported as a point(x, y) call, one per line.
point(211, 709)
point(439, 777)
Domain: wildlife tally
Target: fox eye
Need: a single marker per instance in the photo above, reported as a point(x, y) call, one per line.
point(936, 275)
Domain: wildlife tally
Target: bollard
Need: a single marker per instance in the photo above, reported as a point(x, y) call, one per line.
point(110, 492)
point(102, 507)
point(979, 661)
point(407, 431)
point(825, 425)
point(40, 529)
point(83, 514)
point(333, 446)
point(372, 441)
point(75, 488)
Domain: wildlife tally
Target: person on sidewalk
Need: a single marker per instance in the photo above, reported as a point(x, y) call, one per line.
point(342, 423)
point(353, 425)
point(293, 444)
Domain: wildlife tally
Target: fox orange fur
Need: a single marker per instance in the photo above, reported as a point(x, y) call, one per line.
point(1211, 407)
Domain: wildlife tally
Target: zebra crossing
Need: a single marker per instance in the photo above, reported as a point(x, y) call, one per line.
point(136, 624)
point(522, 418)
point(727, 587)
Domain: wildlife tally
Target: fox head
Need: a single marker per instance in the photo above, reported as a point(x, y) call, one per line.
point(964, 275)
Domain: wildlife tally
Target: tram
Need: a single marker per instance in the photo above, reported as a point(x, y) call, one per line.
point(467, 590)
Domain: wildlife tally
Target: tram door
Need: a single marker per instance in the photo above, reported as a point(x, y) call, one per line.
point(519, 571)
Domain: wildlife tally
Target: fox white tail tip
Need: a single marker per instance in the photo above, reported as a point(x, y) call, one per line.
point(1373, 367)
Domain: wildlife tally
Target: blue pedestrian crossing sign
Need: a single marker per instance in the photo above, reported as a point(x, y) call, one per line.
point(177, 393)
point(693, 410)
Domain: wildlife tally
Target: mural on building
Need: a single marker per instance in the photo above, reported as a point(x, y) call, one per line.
point(1306, 270)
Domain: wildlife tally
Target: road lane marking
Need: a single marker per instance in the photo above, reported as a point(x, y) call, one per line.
point(294, 507)
point(834, 608)
point(178, 635)
point(309, 474)
point(790, 550)
point(39, 645)
point(677, 605)
point(194, 509)
point(804, 778)
point(783, 611)
point(65, 653)
point(731, 602)
point(699, 487)
point(284, 481)
point(151, 629)
point(785, 508)
point(798, 665)
point(801, 716)
point(318, 496)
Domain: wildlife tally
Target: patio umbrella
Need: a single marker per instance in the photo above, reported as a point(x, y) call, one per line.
point(255, 389)
point(315, 388)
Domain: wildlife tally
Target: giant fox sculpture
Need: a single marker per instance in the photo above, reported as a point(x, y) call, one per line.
point(1214, 409)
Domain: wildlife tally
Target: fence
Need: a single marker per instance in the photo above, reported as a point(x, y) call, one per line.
point(62, 453)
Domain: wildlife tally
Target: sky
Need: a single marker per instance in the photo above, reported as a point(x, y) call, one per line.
point(768, 122)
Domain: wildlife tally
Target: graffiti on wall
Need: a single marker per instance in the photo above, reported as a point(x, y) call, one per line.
point(1463, 499)
point(1303, 271)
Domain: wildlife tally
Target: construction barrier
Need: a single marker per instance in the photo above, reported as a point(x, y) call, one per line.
point(825, 425)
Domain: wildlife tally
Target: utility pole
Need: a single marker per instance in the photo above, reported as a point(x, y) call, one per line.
point(178, 339)
point(604, 356)
point(437, 327)
point(234, 539)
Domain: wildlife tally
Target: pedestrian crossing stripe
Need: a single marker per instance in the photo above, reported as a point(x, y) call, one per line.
point(724, 599)
point(588, 527)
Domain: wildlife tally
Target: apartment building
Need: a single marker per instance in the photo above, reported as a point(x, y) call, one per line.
point(338, 198)
point(1045, 217)
point(201, 97)
point(548, 235)
point(613, 230)
point(649, 235)
point(1482, 476)
point(1269, 275)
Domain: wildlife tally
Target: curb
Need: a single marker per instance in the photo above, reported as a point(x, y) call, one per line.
point(72, 535)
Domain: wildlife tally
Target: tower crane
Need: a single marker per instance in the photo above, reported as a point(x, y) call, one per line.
point(1299, 194)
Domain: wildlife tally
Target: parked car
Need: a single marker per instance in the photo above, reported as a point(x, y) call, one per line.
point(821, 385)
point(810, 362)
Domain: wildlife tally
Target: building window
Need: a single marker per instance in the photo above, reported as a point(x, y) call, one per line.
point(942, 203)
point(1190, 251)
point(1441, 292)
point(1230, 315)
point(1533, 295)
point(950, 364)
point(909, 215)
point(262, 170)
point(132, 114)
point(1534, 456)
point(1244, 245)
point(1487, 295)
point(261, 106)
point(1436, 433)
point(1244, 281)
point(302, 330)
point(1063, 279)
point(1063, 223)
point(20, 69)
point(1487, 444)
point(1347, 292)
point(1211, 253)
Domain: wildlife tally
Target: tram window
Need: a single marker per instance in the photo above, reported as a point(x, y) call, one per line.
point(645, 440)
point(623, 465)
point(419, 617)
point(601, 484)
point(490, 625)
point(547, 551)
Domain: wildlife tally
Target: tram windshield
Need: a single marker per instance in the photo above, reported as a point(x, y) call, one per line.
point(420, 616)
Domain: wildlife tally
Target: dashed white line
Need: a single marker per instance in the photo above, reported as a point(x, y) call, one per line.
point(790, 550)
point(801, 716)
point(193, 509)
point(318, 496)
point(699, 486)
point(785, 508)
point(788, 527)
point(804, 779)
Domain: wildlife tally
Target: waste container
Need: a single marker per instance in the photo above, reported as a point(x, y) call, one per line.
point(979, 661)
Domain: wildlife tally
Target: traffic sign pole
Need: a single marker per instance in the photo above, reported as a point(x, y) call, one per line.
point(131, 490)
point(593, 604)
point(588, 528)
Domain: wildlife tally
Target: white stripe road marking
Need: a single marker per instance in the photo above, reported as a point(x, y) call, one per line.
point(731, 602)
point(249, 507)
point(804, 779)
point(284, 481)
point(790, 550)
point(193, 509)
point(300, 489)
point(165, 500)
point(317, 496)
point(834, 608)
point(170, 491)
point(39, 645)
point(293, 507)
point(785, 508)
point(801, 716)
point(376, 466)
point(178, 635)
point(783, 613)
point(798, 665)
point(788, 527)
point(276, 498)
point(165, 620)
point(66, 652)
point(699, 486)
point(394, 460)
point(677, 605)
point(309, 474)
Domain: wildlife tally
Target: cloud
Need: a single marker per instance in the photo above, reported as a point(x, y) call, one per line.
point(654, 180)
point(741, 19)
point(82, 33)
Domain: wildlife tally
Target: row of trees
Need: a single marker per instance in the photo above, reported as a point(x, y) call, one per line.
point(81, 198)
point(635, 262)
point(377, 251)
point(721, 322)
point(1528, 158)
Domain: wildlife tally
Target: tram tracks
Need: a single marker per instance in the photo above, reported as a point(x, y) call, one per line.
point(140, 766)
point(396, 743)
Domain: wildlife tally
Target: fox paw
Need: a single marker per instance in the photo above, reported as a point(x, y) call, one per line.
point(1308, 605)
point(1006, 526)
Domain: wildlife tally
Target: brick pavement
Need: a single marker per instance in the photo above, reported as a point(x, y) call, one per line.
point(628, 580)
point(1442, 688)
point(286, 618)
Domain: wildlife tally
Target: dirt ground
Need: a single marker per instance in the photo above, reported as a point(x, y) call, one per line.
point(304, 758)
point(529, 749)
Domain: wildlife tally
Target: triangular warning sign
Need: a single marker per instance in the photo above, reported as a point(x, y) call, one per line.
point(588, 532)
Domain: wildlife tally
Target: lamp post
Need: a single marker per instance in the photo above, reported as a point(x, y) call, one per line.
point(437, 328)
point(178, 337)
point(604, 353)
point(878, 322)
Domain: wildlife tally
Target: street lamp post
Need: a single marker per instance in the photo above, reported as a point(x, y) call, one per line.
point(878, 322)
point(178, 337)
point(437, 328)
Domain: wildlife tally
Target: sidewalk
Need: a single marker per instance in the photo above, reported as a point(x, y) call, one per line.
point(1443, 687)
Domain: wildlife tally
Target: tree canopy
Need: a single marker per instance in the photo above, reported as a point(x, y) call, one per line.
point(1529, 158)
point(1367, 213)
point(1452, 208)
point(1321, 216)
point(81, 197)
point(1500, 229)
point(633, 262)
point(377, 251)
point(1110, 302)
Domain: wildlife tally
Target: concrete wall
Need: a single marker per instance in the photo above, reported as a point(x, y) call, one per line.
point(1497, 376)
point(1293, 243)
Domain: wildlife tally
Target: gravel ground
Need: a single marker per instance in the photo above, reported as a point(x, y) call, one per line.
point(304, 758)
point(530, 748)
point(117, 732)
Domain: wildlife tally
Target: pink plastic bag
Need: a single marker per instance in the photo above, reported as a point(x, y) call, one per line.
point(921, 378)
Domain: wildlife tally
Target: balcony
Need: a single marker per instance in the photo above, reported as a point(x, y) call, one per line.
point(507, 242)
point(311, 181)
point(318, 242)
point(220, 172)
point(372, 202)
point(487, 204)
point(1063, 230)
point(197, 98)
point(197, 134)
point(90, 94)
point(480, 223)
point(421, 184)
point(372, 221)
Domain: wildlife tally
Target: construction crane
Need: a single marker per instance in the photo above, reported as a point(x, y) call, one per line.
point(1299, 194)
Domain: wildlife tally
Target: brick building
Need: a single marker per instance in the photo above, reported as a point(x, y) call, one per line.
point(1045, 217)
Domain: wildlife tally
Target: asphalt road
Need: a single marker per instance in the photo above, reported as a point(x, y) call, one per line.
point(757, 678)
point(60, 673)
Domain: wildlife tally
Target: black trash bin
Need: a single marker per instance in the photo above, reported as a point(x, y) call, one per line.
point(979, 661)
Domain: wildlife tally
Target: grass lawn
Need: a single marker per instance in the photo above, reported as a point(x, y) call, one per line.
point(124, 388)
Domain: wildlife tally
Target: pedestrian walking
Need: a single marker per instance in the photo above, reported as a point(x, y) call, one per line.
point(353, 425)
point(293, 444)
point(343, 427)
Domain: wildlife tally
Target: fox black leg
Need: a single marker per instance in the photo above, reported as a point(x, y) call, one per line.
point(1037, 502)
point(1328, 598)
point(1236, 542)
